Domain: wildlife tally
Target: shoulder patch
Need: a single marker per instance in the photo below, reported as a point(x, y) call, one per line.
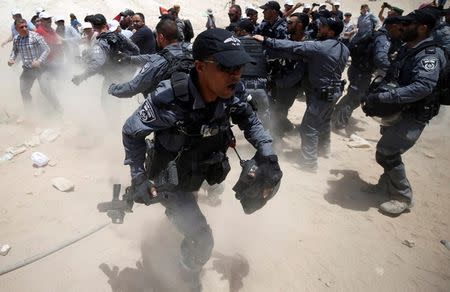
point(429, 63)
point(147, 113)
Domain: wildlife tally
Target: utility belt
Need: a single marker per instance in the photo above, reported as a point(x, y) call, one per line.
point(329, 93)
point(255, 83)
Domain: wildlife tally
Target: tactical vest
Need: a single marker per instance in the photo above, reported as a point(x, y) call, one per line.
point(196, 145)
point(255, 50)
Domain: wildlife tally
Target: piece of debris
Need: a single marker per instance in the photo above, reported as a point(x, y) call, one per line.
point(39, 159)
point(30, 193)
point(429, 155)
point(33, 142)
point(409, 243)
point(63, 184)
point(7, 156)
point(51, 163)
point(379, 271)
point(358, 142)
point(16, 150)
point(446, 243)
point(49, 135)
point(4, 249)
point(39, 172)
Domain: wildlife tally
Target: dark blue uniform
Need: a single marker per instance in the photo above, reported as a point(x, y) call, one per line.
point(326, 62)
point(194, 133)
point(360, 80)
point(417, 78)
point(277, 30)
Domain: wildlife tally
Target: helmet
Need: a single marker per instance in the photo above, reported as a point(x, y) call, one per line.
point(251, 189)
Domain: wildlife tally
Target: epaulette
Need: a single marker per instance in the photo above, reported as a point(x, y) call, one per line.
point(430, 50)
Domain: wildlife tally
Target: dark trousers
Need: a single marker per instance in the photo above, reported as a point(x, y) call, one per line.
point(27, 79)
point(359, 84)
point(396, 140)
point(282, 101)
point(315, 129)
point(183, 211)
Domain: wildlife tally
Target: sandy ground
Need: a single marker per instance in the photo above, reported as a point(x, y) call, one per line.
point(320, 233)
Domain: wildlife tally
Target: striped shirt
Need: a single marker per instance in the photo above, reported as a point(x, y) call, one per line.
point(31, 47)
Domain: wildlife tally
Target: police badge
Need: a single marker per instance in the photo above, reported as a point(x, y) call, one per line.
point(429, 64)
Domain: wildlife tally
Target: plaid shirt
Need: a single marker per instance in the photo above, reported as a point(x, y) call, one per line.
point(32, 47)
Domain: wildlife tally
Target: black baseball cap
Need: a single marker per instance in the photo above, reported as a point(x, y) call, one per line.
point(427, 16)
point(397, 10)
point(335, 25)
point(222, 45)
point(246, 24)
point(250, 11)
point(97, 20)
point(271, 5)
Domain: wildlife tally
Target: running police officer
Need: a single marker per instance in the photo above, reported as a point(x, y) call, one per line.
point(416, 71)
point(375, 59)
point(326, 62)
point(102, 55)
point(156, 65)
point(190, 118)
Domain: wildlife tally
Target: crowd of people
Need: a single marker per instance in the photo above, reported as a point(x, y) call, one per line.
point(251, 72)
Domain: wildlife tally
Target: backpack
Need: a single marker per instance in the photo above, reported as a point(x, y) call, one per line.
point(182, 63)
point(362, 50)
point(188, 30)
point(117, 44)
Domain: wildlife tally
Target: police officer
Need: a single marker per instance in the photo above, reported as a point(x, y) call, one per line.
point(286, 82)
point(190, 118)
point(273, 25)
point(155, 65)
point(360, 72)
point(326, 62)
point(100, 58)
point(441, 33)
point(254, 76)
point(416, 71)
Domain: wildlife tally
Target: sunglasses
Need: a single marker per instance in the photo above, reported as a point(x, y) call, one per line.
point(226, 69)
point(22, 26)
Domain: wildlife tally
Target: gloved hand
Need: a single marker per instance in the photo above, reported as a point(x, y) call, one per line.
point(77, 79)
point(268, 168)
point(142, 190)
point(110, 88)
point(371, 97)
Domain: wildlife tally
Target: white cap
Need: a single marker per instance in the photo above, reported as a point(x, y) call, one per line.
point(86, 25)
point(39, 10)
point(209, 11)
point(45, 14)
point(337, 3)
point(307, 6)
point(322, 4)
point(113, 25)
point(288, 2)
point(58, 18)
point(15, 11)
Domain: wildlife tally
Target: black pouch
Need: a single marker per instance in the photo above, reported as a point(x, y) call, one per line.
point(218, 171)
point(167, 179)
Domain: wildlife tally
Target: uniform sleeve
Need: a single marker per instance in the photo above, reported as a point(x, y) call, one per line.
point(141, 59)
point(287, 47)
point(96, 59)
point(131, 46)
point(44, 47)
point(145, 120)
point(381, 53)
point(243, 115)
point(143, 81)
point(374, 21)
point(425, 77)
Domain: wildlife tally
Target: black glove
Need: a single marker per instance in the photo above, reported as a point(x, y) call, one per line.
point(141, 188)
point(122, 58)
point(371, 97)
point(268, 168)
point(77, 79)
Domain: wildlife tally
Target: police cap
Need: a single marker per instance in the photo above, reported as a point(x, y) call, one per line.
point(271, 5)
point(335, 25)
point(98, 20)
point(246, 25)
point(426, 16)
point(222, 45)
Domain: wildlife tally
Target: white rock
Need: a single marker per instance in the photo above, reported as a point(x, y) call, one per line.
point(49, 135)
point(52, 163)
point(4, 249)
point(358, 142)
point(34, 141)
point(63, 184)
point(39, 159)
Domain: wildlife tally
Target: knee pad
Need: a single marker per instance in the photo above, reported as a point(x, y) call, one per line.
point(388, 162)
point(197, 248)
